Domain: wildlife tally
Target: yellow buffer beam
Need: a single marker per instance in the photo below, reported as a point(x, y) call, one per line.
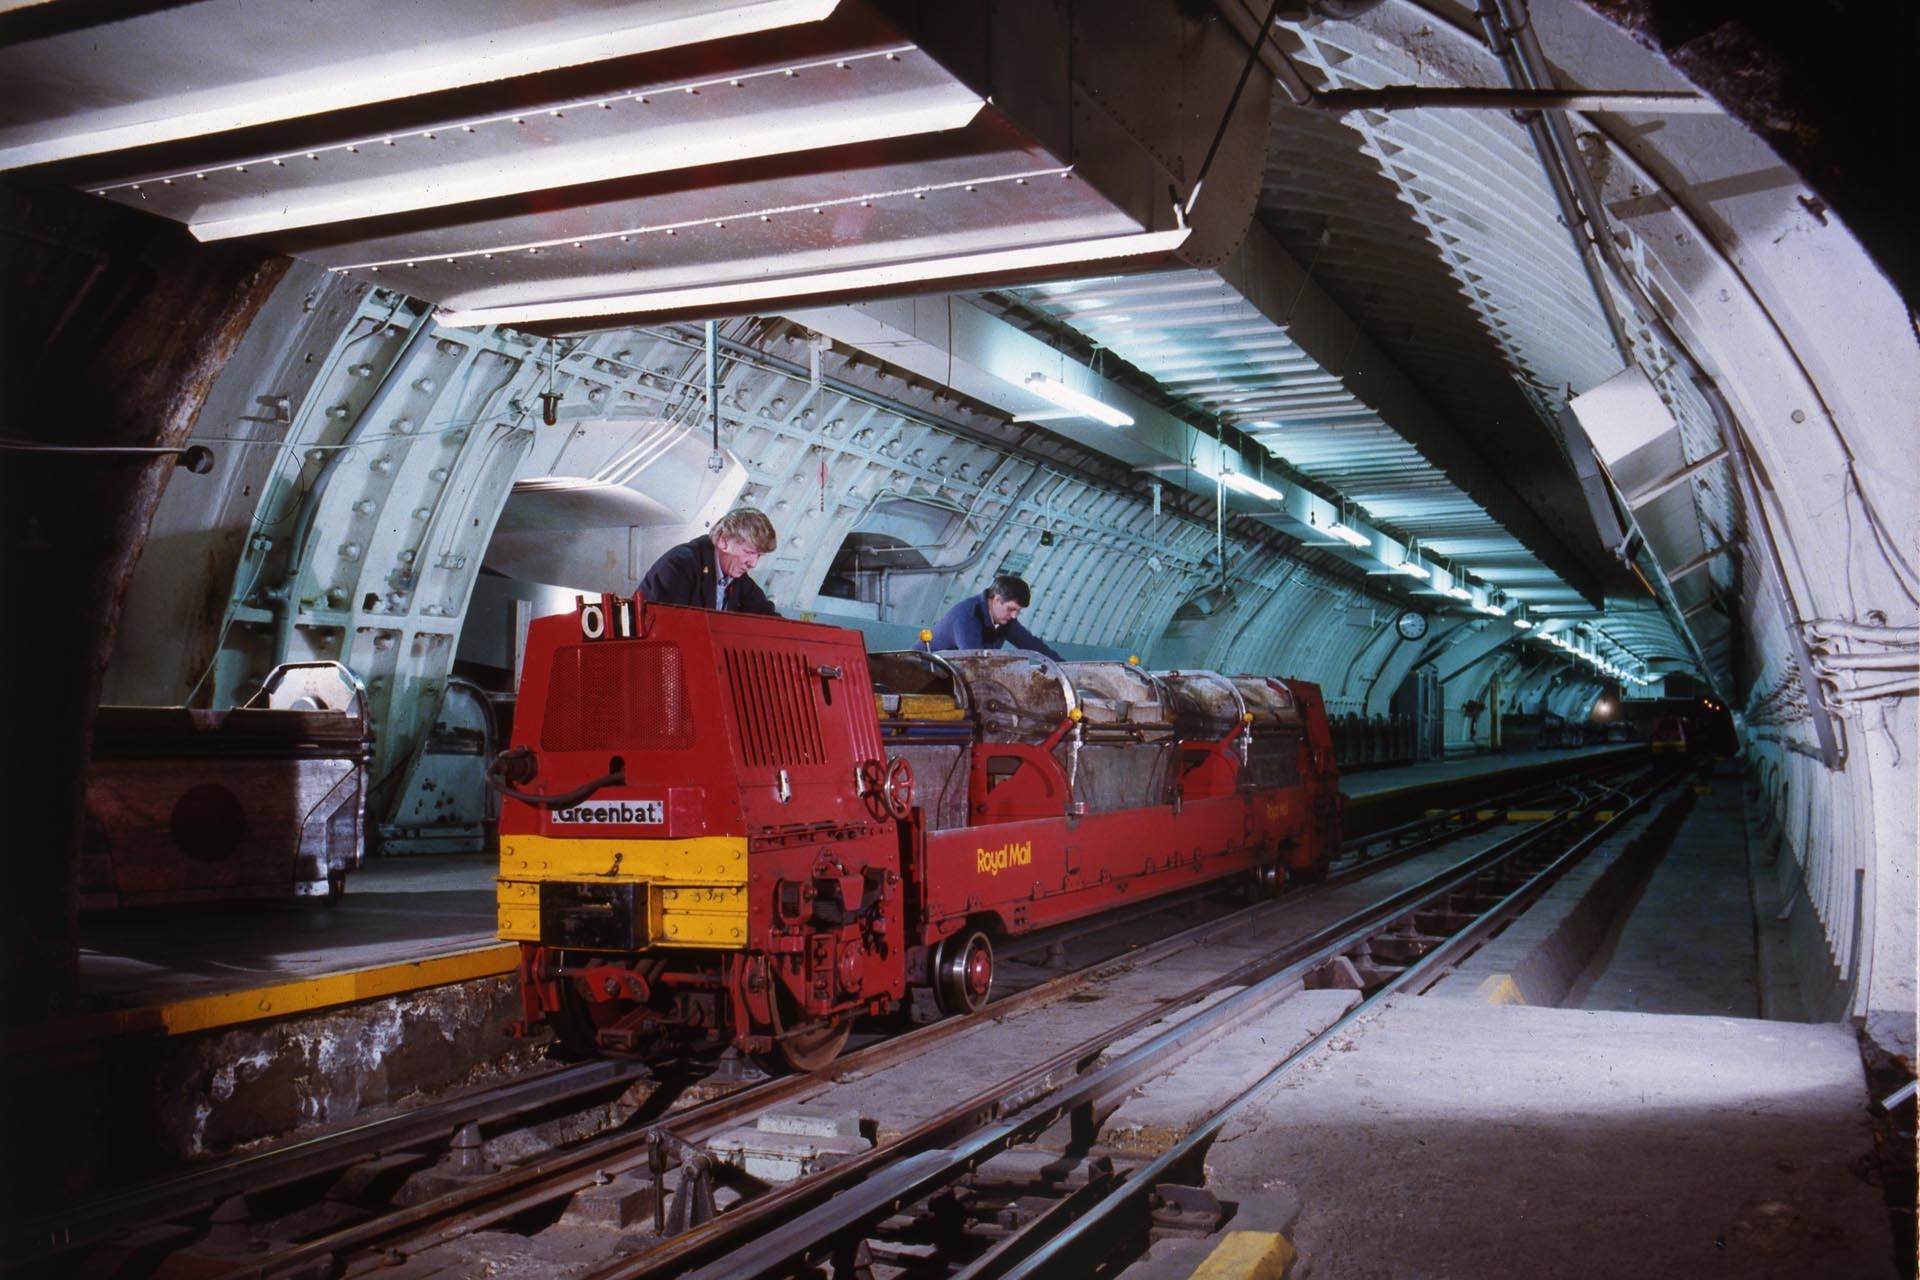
point(696, 890)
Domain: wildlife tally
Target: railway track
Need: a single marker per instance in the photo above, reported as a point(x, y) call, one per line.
point(1062, 1071)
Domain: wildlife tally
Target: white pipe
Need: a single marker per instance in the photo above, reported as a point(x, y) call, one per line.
point(1867, 692)
point(1821, 628)
point(1868, 662)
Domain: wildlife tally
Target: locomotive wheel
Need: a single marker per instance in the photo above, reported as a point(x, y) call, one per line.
point(963, 973)
point(807, 1047)
point(1268, 880)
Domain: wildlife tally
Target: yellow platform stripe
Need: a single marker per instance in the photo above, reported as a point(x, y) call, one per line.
point(178, 1017)
point(1603, 815)
point(1500, 988)
point(1247, 1255)
point(1531, 815)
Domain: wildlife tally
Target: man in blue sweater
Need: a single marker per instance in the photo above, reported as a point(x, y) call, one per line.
point(988, 620)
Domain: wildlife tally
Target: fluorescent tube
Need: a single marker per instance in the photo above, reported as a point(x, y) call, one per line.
point(1067, 398)
point(1248, 485)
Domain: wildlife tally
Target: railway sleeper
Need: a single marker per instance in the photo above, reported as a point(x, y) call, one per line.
point(1185, 1211)
point(1027, 1167)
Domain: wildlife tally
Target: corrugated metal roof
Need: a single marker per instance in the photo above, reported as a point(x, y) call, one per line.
point(1202, 341)
point(1437, 233)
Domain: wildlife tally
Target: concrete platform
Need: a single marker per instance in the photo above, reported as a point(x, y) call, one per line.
point(208, 1028)
point(1449, 1138)
point(1650, 1126)
point(1372, 782)
point(404, 924)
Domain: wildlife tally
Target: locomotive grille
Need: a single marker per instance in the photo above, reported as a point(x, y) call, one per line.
point(773, 700)
point(630, 695)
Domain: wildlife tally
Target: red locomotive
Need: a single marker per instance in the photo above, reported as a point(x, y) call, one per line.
point(745, 829)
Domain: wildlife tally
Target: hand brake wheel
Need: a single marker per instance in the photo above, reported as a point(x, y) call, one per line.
point(899, 788)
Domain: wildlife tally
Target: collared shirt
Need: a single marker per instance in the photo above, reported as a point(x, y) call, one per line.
point(689, 574)
point(968, 625)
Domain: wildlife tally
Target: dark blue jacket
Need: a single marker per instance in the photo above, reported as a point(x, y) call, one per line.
point(968, 626)
point(690, 574)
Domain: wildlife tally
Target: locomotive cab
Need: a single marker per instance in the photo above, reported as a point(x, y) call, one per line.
point(697, 840)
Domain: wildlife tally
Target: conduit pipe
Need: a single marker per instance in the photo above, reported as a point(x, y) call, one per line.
point(1511, 36)
point(1507, 36)
point(979, 553)
point(744, 354)
point(1824, 627)
point(1518, 45)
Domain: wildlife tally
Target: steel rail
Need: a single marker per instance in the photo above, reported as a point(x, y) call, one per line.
point(1428, 833)
point(1076, 1249)
point(766, 1236)
point(623, 1152)
point(94, 1221)
point(282, 1166)
point(529, 1186)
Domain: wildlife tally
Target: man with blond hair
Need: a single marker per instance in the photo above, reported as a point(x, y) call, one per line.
point(711, 571)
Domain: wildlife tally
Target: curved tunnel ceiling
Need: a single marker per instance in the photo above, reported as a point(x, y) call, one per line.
point(1402, 326)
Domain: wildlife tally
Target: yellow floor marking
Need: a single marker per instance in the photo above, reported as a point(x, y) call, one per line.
point(1500, 988)
point(1531, 815)
point(179, 1017)
point(1247, 1255)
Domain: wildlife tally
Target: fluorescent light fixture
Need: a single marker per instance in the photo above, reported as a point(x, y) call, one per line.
point(1246, 484)
point(534, 308)
point(1351, 536)
point(564, 40)
point(1412, 569)
point(1459, 592)
point(676, 147)
point(1523, 624)
point(1067, 398)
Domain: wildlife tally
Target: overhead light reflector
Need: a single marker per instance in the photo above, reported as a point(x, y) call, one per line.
point(535, 304)
point(1351, 536)
point(1067, 398)
point(1248, 485)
